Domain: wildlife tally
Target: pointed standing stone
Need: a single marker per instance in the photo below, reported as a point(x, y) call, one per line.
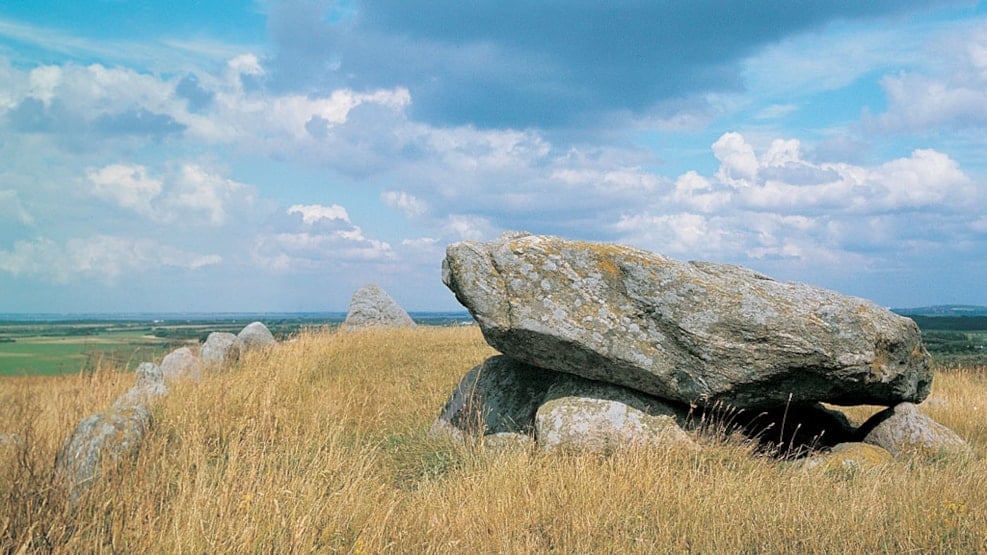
point(372, 307)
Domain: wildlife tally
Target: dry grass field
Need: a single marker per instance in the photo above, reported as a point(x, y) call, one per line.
point(320, 445)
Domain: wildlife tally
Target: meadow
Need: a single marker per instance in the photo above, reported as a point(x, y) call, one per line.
point(320, 445)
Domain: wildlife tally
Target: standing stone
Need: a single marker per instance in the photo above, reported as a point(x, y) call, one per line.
point(103, 438)
point(219, 350)
point(180, 364)
point(254, 336)
point(684, 331)
point(904, 429)
point(372, 307)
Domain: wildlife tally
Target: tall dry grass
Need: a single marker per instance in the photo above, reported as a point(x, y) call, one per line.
point(320, 445)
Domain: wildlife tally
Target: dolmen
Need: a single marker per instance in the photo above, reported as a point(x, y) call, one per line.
point(115, 434)
point(372, 307)
point(606, 345)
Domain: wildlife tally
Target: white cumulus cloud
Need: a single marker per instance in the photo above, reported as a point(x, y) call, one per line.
point(192, 195)
point(407, 203)
point(312, 213)
point(127, 185)
point(102, 258)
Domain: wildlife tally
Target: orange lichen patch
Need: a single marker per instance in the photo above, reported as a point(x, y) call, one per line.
point(608, 257)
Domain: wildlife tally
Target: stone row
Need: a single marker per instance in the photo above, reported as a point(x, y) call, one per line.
point(117, 432)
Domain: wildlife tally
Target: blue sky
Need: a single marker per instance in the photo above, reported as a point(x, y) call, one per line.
point(264, 155)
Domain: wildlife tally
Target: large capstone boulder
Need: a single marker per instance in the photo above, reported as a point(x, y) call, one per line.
point(254, 335)
point(180, 364)
point(906, 430)
point(372, 307)
point(219, 350)
point(684, 331)
point(101, 439)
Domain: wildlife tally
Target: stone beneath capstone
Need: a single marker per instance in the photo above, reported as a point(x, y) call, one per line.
point(180, 364)
point(849, 456)
point(372, 307)
point(99, 439)
point(499, 399)
point(499, 395)
point(219, 349)
point(594, 417)
point(254, 336)
point(149, 385)
point(684, 331)
point(905, 430)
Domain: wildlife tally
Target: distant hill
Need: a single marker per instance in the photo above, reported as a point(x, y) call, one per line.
point(943, 310)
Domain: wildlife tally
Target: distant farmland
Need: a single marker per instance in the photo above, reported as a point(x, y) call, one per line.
point(39, 346)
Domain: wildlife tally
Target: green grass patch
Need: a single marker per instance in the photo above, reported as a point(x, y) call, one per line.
point(64, 354)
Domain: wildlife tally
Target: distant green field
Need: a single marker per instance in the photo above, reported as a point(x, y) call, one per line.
point(47, 355)
point(49, 348)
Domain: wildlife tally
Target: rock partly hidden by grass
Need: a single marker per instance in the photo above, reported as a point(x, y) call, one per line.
point(322, 444)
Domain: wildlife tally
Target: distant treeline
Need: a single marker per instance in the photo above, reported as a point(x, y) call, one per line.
point(954, 339)
point(951, 323)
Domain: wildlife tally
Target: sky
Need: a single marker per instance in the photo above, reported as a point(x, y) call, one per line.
point(262, 155)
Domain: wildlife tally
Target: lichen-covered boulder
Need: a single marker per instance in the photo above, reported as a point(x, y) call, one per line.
point(254, 335)
point(103, 438)
point(905, 430)
point(219, 349)
point(372, 307)
point(148, 386)
point(584, 416)
point(499, 395)
point(684, 331)
point(180, 364)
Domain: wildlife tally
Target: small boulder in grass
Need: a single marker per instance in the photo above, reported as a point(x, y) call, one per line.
point(905, 430)
point(104, 438)
point(149, 385)
point(180, 364)
point(220, 349)
point(849, 457)
point(254, 336)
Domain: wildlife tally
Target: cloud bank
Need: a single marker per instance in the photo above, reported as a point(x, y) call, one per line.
point(362, 137)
